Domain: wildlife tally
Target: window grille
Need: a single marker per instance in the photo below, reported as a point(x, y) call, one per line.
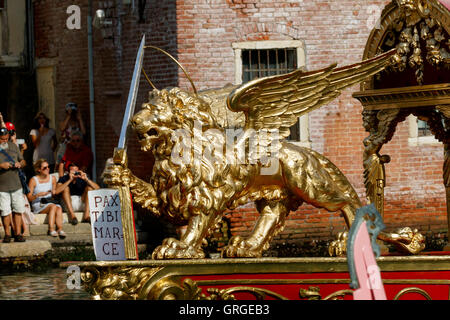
point(423, 128)
point(258, 63)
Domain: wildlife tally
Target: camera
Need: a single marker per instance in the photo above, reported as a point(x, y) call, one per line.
point(78, 173)
point(71, 106)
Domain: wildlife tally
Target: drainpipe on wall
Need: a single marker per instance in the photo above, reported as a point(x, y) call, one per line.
point(30, 36)
point(91, 91)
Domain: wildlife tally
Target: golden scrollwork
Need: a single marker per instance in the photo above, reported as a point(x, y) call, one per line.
point(219, 279)
point(121, 283)
point(135, 283)
point(196, 178)
point(227, 294)
point(313, 293)
point(412, 290)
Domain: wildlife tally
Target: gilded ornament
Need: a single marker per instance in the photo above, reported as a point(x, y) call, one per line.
point(313, 293)
point(203, 183)
point(415, 23)
point(221, 279)
point(121, 283)
point(196, 178)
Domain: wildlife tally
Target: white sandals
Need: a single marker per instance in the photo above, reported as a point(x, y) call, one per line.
point(52, 233)
point(62, 234)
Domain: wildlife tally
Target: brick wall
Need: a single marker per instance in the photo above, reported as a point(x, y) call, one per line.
point(115, 50)
point(200, 33)
point(333, 31)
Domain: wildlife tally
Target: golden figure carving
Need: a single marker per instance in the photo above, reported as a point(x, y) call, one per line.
point(375, 180)
point(406, 240)
point(381, 126)
point(338, 247)
point(419, 30)
point(195, 179)
point(416, 24)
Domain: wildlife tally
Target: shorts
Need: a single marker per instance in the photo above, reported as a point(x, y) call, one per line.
point(77, 203)
point(12, 202)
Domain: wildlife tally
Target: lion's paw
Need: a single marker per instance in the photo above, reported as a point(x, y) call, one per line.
point(338, 247)
point(241, 248)
point(172, 248)
point(116, 175)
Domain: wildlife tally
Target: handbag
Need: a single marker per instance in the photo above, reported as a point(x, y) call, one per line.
point(22, 176)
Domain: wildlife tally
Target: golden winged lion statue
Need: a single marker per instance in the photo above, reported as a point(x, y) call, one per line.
point(204, 165)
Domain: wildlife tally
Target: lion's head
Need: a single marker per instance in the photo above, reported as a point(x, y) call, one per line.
point(184, 189)
point(166, 111)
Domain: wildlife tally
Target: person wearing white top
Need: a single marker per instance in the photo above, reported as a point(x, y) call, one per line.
point(42, 187)
point(44, 140)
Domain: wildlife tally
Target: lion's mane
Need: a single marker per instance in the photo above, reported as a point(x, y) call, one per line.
point(203, 184)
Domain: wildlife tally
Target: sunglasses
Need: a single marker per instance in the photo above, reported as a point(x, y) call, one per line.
point(76, 140)
point(45, 168)
point(3, 131)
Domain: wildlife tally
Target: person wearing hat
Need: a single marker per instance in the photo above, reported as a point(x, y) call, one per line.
point(13, 137)
point(12, 202)
point(44, 140)
point(28, 216)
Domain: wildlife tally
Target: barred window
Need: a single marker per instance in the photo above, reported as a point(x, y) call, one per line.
point(258, 63)
point(267, 62)
point(423, 128)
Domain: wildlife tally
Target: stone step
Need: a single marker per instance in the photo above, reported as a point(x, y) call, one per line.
point(24, 249)
point(71, 239)
point(35, 249)
point(41, 229)
point(80, 228)
point(42, 218)
point(78, 234)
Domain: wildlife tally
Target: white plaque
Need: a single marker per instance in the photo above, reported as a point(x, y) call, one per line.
point(106, 224)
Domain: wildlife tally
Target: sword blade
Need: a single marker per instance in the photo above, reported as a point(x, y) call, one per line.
point(132, 95)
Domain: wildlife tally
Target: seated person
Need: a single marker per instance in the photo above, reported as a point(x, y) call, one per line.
point(74, 187)
point(76, 152)
point(42, 187)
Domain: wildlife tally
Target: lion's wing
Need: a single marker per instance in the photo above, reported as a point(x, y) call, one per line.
point(217, 99)
point(276, 102)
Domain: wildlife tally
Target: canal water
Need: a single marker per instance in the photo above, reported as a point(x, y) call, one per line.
point(49, 285)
